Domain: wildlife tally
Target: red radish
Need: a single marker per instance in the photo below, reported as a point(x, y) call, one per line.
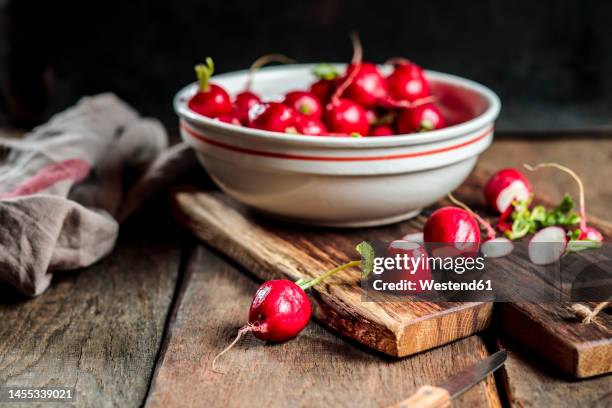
point(280, 309)
point(419, 119)
point(246, 99)
point(305, 103)
point(584, 230)
point(325, 86)
point(273, 116)
point(492, 247)
point(368, 86)
point(310, 126)
point(483, 223)
point(211, 100)
point(497, 247)
point(323, 90)
point(232, 119)
point(243, 102)
point(414, 237)
point(381, 130)
point(591, 234)
point(452, 225)
point(347, 117)
point(407, 82)
point(416, 258)
point(342, 115)
point(505, 186)
point(547, 245)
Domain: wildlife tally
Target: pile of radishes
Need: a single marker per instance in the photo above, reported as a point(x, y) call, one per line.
point(508, 192)
point(359, 102)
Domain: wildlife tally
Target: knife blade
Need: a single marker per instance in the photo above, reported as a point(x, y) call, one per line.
point(440, 396)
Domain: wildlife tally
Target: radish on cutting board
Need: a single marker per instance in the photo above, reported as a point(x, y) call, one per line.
point(547, 245)
point(280, 309)
point(497, 247)
point(492, 247)
point(452, 225)
point(505, 186)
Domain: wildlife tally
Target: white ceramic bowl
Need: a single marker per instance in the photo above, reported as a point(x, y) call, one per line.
point(332, 181)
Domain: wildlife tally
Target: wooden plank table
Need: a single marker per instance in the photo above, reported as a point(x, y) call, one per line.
point(141, 326)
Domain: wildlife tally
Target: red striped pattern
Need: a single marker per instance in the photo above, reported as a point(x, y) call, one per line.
point(255, 152)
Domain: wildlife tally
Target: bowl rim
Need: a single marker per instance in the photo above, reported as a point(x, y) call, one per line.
point(458, 130)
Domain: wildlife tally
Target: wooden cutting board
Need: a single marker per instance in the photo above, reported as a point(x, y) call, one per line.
point(272, 249)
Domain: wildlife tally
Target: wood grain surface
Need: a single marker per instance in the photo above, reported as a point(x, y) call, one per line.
point(530, 382)
point(315, 369)
point(99, 329)
point(273, 250)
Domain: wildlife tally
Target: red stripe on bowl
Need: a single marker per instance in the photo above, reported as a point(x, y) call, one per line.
point(254, 152)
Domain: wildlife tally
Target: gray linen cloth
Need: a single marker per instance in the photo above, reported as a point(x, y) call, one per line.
point(66, 186)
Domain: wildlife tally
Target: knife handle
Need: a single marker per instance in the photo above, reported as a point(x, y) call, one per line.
point(427, 396)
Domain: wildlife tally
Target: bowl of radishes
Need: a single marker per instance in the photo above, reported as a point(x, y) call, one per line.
point(345, 145)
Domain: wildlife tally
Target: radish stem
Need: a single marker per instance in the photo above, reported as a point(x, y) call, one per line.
point(243, 330)
point(204, 72)
point(264, 60)
point(356, 61)
point(490, 231)
point(305, 284)
point(583, 225)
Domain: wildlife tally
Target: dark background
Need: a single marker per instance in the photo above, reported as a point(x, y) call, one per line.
point(550, 61)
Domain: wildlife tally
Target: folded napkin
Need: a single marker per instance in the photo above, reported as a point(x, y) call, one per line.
point(66, 186)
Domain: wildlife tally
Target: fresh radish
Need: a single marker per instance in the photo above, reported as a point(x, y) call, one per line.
point(273, 116)
point(346, 117)
point(246, 99)
point(323, 90)
point(592, 234)
point(325, 86)
point(243, 102)
point(497, 247)
point(492, 247)
point(547, 245)
point(421, 118)
point(407, 82)
point(343, 115)
point(416, 259)
point(211, 100)
point(232, 118)
point(310, 126)
point(483, 223)
point(280, 309)
point(414, 237)
point(585, 231)
point(368, 86)
point(305, 103)
point(452, 225)
point(381, 130)
point(506, 186)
